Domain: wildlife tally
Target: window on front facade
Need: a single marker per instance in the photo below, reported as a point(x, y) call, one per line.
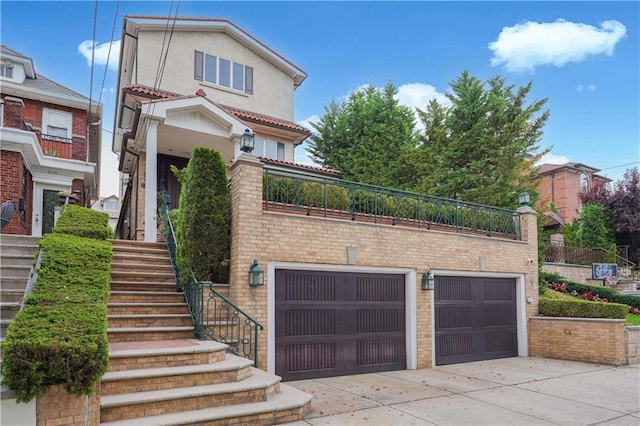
point(56, 125)
point(223, 72)
point(6, 71)
point(269, 149)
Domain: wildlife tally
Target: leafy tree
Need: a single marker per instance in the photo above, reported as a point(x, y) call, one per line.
point(482, 148)
point(364, 136)
point(570, 232)
point(205, 205)
point(594, 227)
point(622, 205)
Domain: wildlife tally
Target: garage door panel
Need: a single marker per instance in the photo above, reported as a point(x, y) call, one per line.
point(483, 326)
point(346, 324)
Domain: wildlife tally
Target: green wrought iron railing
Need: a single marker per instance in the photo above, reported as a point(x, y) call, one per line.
point(328, 197)
point(214, 315)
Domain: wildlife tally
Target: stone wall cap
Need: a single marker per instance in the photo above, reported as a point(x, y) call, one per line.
point(612, 320)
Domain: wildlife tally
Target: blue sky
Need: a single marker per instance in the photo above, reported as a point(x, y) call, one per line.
point(583, 56)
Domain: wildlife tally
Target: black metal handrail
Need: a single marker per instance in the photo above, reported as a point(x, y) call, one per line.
point(573, 254)
point(33, 276)
point(214, 315)
point(323, 196)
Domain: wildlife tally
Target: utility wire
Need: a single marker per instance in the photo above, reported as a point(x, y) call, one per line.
point(106, 67)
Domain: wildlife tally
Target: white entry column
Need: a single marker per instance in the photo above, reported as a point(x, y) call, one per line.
point(150, 183)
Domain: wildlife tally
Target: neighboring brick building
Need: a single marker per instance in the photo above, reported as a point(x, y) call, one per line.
point(48, 145)
point(560, 185)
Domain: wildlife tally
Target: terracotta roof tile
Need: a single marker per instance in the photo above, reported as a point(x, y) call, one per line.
point(139, 88)
point(265, 119)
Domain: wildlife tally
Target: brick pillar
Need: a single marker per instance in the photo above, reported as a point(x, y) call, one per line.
point(246, 213)
point(529, 230)
point(59, 408)
point(13, 112)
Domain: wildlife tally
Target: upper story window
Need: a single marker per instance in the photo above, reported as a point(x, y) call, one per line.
point(223, 72)
point(57, 125)
point(113, 206)
point(269, 149)
point(585, 181)
point(6, 71)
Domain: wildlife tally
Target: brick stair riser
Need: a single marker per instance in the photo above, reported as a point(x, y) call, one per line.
point(147, 309)
point(141, 278)
point(9, 311)
point(260, 419)
point(173, 382)
point(155, 287)
point(166, 360)
point(110, 414)
point(157, 321)
point(132, 336)
point(142, 297)
point(16, 260)
point(118, 260)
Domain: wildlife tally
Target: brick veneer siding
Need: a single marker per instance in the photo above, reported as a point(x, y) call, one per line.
point(59, 408)
point(578, 339)
point(280, 237)
point(12, 166)
point(632, 337)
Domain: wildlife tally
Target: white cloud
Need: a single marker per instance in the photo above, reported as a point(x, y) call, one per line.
point(550, 158)
point(589, 88)
point(102, 54)
point(525, 46)
point(418, 95)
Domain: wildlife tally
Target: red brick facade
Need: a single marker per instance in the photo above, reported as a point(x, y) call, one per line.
point(11, 189)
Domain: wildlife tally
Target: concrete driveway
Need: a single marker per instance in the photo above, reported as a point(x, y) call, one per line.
point(513, 391)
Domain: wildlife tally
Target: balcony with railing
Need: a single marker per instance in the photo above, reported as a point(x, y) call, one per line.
point(313, 195)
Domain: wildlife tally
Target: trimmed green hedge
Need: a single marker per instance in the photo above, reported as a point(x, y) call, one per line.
point(60, 337)
point(581, 309)
point(600, 291)
point(84, 222)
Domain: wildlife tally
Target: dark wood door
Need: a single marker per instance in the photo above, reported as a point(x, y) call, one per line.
point(335, 324)
point(475, 319)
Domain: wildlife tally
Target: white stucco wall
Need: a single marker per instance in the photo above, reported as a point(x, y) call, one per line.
point(272, 88)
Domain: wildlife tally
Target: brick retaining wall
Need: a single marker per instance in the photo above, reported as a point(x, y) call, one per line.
point(579, 339)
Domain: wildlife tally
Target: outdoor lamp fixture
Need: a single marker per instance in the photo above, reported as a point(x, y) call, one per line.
point(246, 141)
point(256, 275)
point(524, 198)
point(428, 281)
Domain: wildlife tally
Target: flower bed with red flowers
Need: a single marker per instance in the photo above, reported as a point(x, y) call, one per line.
point(590, 292)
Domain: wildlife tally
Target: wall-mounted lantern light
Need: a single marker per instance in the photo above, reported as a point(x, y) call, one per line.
point(256, 275)
point(524, 198)
point(247, 141)
point(428, 281)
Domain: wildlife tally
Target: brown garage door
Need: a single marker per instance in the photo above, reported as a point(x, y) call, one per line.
point(475, 319)
point(334, 324)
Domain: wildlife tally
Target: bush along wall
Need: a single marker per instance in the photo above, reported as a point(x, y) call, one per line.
point(60, 337)
point(581, 309)
point(590, 292)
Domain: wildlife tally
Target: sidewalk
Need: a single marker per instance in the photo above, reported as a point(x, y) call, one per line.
point(512, 391)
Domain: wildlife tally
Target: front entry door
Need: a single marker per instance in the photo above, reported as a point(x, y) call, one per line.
point(49, 206)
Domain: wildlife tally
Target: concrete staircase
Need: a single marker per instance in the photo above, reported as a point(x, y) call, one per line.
point(17, 254)
point(159, 374)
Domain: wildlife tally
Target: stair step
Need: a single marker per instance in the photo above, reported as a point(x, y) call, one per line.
point(142, 268)
point(116, 308)
point(9, 310)
point(16, 259)
point(288, 405)
point(259, 387)
point(149, 320)
point(11, 295)
point(13, 282)
point(143, 286)
point(160, 277)
point(232, 369)
point(146, 296)
point(158, 354)
point(137, 257)
point(132, 334)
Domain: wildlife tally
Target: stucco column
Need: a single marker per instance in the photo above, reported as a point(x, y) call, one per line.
point(150, 183)
point(529, 231)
